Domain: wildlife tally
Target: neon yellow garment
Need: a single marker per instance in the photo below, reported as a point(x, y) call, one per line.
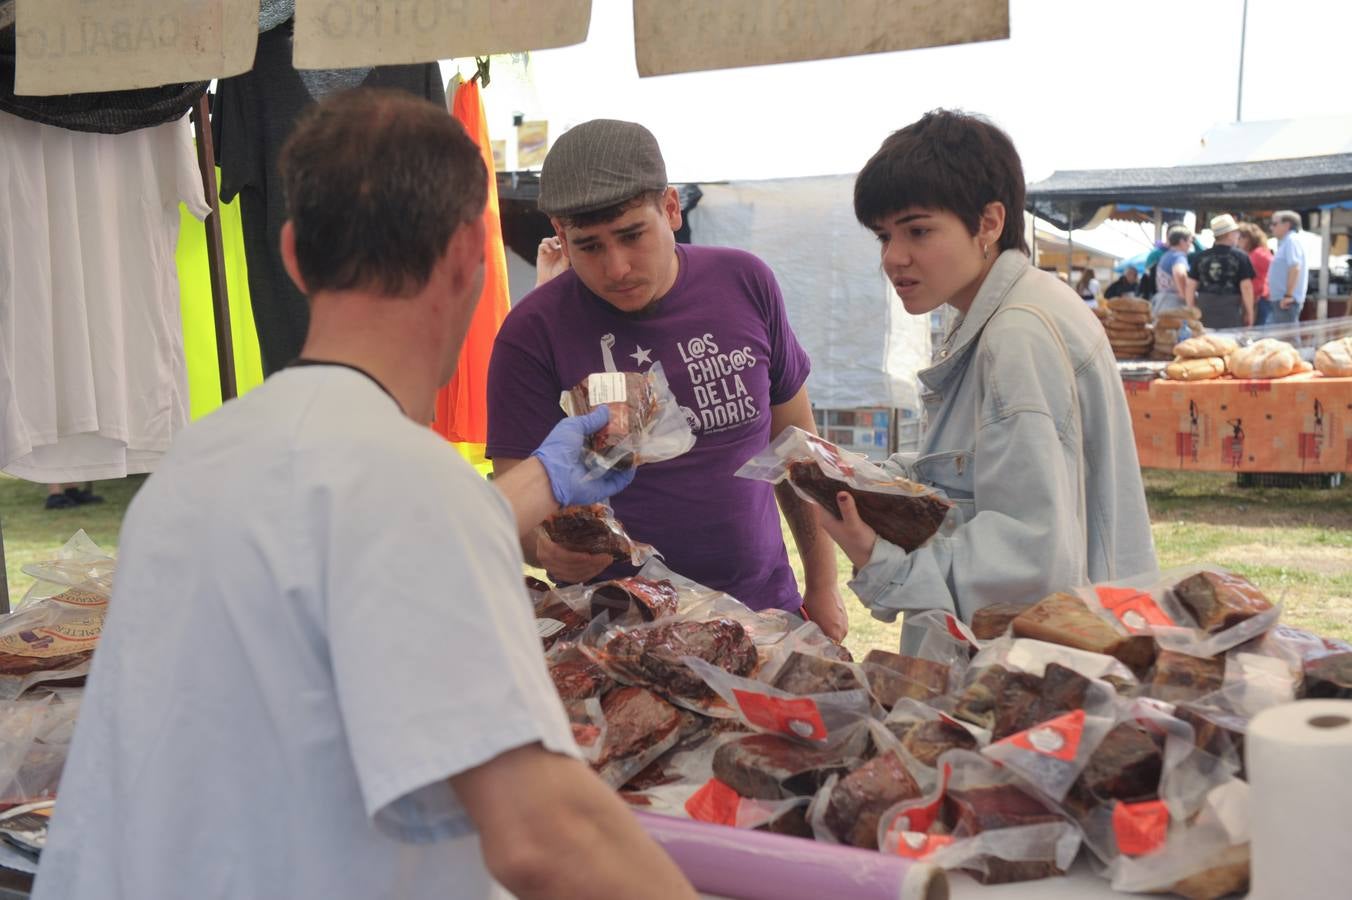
point(199, 323)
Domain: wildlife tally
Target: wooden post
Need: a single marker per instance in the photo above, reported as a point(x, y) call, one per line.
point(220, 298)
point(4, 579)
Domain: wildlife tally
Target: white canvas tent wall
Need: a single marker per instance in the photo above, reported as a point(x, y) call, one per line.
point(865, 348)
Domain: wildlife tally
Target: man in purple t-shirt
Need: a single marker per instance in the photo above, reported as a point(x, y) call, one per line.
point(714, 318)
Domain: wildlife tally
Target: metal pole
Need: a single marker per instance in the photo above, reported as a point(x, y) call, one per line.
point(1243, 33)
point(1326, 235)
point(220, 298)
point(1159, 224)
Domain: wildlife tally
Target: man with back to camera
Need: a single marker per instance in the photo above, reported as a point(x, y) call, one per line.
point(320, 677)
point(1221, 278)
point(1127, 285)
point(1289, 273)
point(714, 318)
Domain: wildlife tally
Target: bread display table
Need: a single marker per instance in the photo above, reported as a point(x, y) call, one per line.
point(1301, 424)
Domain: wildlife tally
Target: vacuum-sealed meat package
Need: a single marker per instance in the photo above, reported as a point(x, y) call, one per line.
point(594, 529)
point(560, 614)
point(1067, 619)
point(902, 512)
point(654, 655)
point(983, 821)
point(639, 727)
point(1220, 600)
point(770, 767)
point(848, 810)
point(646, 422)
point(634, 599)
point(892, 676)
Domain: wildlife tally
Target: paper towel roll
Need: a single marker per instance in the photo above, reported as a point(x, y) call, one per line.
point(1299, 758)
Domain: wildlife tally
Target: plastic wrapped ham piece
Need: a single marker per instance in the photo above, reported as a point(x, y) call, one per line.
point(594, 529)
point(646, 423)
point(759, 866)
point(902, 512)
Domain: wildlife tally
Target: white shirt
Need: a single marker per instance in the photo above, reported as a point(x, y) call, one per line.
point(318, 618)
point(92, 377)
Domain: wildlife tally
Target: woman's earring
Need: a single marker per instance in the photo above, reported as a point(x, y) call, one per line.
point(985, 251)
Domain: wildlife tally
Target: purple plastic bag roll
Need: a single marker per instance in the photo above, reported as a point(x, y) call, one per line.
point(755, 865)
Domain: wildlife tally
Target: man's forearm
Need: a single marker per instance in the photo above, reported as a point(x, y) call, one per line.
point(526, 487)
point(814, 547)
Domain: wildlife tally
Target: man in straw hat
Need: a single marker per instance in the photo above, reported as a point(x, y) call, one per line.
point(715, 320)
point(1222, 278)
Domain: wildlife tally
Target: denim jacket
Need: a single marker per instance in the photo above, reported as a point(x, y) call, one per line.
point(1041, 466)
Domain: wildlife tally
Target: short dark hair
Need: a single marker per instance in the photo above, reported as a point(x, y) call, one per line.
point(376, 182)
point(611, 213)
point(948, 160)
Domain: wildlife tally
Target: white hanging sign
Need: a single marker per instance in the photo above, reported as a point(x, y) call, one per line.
point(76, 46)
point(335, 34)
point(672, 36)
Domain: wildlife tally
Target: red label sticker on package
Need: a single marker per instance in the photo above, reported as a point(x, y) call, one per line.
point(1132, 608)
point(919, 818)
point(959, 630)
point(1140, 828)
point(1058, 738)
point(715, 803)
point(795, 716)
point(914, 845)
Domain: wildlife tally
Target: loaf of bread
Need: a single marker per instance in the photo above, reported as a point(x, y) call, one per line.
point(1131, 318)
point(1205, 346)
point(1195, 369)
point(1335, 358)
point(1181, 314)
point(1129, 305)
point(1267, 358)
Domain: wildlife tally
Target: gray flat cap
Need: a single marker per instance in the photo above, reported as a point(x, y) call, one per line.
point(598, 164)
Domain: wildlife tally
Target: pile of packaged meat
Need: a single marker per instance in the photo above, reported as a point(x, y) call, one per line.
point(46, 646)
point(1108, 720)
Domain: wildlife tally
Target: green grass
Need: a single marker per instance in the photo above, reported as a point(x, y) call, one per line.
point(32, 533)
point(1294, 544)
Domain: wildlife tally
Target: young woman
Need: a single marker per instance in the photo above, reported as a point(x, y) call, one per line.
point(1253, 241)
point(1027, 429)
point(1088, 288)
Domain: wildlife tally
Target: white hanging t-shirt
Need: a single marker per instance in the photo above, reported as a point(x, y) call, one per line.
point(318, 618)
point(92, 377)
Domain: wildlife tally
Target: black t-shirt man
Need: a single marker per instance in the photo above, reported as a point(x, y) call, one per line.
point(1219, 273)
point(1220, 270)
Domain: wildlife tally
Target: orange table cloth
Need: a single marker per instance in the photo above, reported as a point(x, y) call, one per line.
point(1302, 423)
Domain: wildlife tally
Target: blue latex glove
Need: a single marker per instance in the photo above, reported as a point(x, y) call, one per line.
point(562, 452)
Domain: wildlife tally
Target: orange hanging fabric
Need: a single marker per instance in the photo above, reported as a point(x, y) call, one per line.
point(462, 405)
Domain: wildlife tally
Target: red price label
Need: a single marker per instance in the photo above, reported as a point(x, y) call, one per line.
point(795, 716)
point(913, 845)
point(1132, 608)
point(715, 803)
point(1058, 738)
point(1140, 828)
